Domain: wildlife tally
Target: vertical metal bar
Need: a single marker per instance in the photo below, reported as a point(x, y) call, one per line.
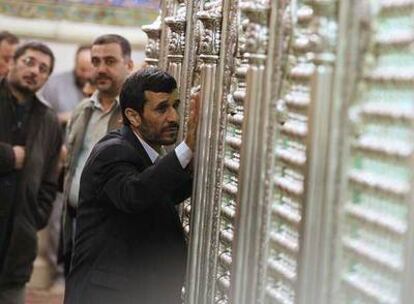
point(348, 52)
point(317, 153)
point(249, 204)
point(177, 26)
point(201, 183)
point(408, 274)
point(167, 9)
point(316, 187)
point(407, 294)
point(189, 62)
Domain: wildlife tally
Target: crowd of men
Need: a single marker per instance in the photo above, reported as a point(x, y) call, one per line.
point(82, 152)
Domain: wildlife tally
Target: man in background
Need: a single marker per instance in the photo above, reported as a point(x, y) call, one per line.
point(92, 119)
point(30, 143)
point(64, 91)
point(8, 44)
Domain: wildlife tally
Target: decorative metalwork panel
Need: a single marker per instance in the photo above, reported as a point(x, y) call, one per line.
point(284, 210)
point(152, 49)
point(212, 71)
point(290, 161)
point(231, 165)
point(176, 41)
point(378, 196)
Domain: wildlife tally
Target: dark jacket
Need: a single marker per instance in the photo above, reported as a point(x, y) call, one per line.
point(76, 132)
point(26, 195)
point(129, 245)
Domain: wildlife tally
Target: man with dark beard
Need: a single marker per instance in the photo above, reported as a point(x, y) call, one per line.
point(30, 141)
point(64, 91)
point(92, 119)
point(129, 244)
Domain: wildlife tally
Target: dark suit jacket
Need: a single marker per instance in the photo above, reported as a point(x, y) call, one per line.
point(129, 245)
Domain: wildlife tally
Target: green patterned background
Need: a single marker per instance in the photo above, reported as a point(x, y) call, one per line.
point(127, 13)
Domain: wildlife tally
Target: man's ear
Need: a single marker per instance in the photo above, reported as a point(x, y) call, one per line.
point(133, 117)
point(130, 65)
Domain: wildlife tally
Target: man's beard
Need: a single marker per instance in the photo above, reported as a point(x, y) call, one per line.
point(155, 138)
point(21, 89)
point(79, 81)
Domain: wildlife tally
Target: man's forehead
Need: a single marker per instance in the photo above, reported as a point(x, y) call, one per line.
point(108, 49)
point(84, 55)
point(5, 44)
point(38, 55)
point(163, 95)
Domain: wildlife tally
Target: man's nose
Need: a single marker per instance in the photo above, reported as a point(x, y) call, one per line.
point(35, 69)
point(172, 115)
point(100, 67)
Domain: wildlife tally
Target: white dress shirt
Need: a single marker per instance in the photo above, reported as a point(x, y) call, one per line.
point(183, 152)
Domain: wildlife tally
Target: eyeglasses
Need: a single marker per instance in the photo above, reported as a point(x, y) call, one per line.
point(32, 62)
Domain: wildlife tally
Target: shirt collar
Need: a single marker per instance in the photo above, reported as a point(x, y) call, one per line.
point(153, 155)
point(95, 100)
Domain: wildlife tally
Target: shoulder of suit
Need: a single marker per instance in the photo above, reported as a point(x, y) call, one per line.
point(113, 146)
point(43, 100)
point(49, 115)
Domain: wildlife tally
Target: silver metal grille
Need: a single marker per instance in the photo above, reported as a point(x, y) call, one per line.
point(290, 166)
point(377, 199)
point(231, 163)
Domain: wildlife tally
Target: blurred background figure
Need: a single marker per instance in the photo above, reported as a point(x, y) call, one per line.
point(89, 87)
point(30, 143)
point(92, 119)
point(58, 25)
point(8, 44)
point(64, 91)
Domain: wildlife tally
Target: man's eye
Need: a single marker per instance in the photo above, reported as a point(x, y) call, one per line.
point(95, 62)
point(161, 110)
point(110, 62)
point(176, 105)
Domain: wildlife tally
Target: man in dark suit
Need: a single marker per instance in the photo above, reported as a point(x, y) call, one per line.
point(30, 142)
point(129, 245)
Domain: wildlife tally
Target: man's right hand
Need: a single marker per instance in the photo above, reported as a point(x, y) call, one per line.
point(193, 119)
point(19, 156)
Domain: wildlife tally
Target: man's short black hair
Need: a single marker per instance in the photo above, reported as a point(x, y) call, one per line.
point(8, 37)
point(36, 46)
point(114, 38)
point(148, 79)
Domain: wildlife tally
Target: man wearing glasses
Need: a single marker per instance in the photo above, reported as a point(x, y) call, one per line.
point(30, 141)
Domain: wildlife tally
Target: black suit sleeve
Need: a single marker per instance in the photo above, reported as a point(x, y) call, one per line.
point(133, 188)
point(48, 185)
point(6, 158)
